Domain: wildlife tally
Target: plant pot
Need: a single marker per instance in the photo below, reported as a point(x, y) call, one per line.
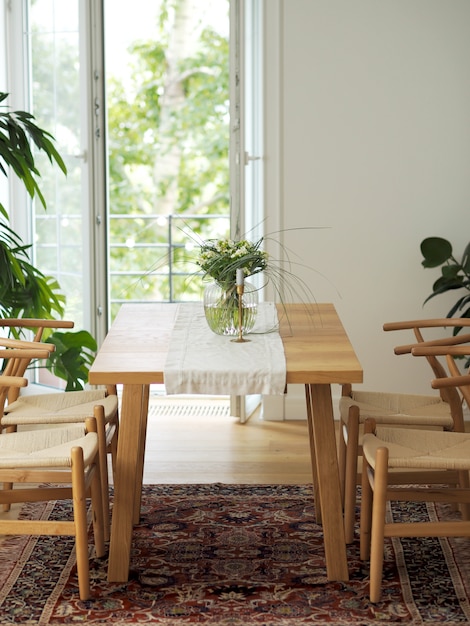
point(221, 307)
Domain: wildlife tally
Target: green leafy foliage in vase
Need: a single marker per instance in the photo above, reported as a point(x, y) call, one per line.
point(455, 274)
point(221, 258)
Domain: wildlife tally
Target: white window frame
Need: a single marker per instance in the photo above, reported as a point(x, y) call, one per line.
point(92, 151)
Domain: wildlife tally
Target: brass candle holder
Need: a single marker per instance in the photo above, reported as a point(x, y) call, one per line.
point(240, 292)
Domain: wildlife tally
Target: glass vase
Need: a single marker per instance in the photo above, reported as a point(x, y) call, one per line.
point(222, 310)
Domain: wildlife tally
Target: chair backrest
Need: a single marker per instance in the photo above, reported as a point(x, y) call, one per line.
point(20, 324)
point(17, 355)
point(455, 379)
point(448, 393)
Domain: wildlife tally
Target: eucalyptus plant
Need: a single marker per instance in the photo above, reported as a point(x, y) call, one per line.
point(24, 290)
point(455, 274)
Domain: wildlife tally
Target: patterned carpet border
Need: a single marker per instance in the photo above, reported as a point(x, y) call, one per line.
point(225, 555)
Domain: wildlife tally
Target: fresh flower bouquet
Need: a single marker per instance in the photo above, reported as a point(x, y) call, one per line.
point(220, 259)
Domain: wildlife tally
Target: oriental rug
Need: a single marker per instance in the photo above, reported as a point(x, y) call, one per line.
point(233, 555)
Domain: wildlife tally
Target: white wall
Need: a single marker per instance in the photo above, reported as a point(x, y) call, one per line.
point(369, 104)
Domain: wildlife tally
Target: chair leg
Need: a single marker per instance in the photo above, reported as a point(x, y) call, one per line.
point(6, 506)
point(464, 483)
point(112, 447)
point(342, 443)
point(114, 444)
point(366, 513)
point(7, 486)
point(80, 519)
point(378, 524)
point(350, 478)
point(103, 466)
point(98, 521)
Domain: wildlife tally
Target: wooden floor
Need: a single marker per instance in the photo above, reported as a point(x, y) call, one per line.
point(221, 449)
point(210, 449)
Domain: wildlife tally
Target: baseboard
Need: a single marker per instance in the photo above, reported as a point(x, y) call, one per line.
point(292, 406)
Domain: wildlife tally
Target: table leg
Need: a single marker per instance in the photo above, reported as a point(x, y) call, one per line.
point(128, 466)
point(141, 454)
point(316, 491)
point(324, 440)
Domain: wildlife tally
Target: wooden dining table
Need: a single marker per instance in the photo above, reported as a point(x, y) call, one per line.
point(318, 354)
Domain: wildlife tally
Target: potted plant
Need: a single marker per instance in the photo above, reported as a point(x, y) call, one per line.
point(455, 274)
point(24, 290)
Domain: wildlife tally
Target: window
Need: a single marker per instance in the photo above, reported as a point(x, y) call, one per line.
point(55, 56)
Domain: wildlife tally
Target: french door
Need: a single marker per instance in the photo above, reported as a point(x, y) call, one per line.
point(58, 76)
point(61, 52)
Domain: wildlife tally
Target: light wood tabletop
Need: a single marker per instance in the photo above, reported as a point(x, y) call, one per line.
point(318, 353)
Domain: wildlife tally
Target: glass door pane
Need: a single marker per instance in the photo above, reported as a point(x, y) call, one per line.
point(167, 84)
point(61, 233)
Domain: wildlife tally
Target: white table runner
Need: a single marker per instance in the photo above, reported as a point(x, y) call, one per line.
point(199, 361)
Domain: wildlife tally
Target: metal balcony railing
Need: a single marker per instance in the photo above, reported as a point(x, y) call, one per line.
point(175, 232)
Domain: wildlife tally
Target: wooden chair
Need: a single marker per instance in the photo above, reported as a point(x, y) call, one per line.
point(75, 398)
point(442, 411)
point(60, 456)
point(385, 449)
point(60, 408)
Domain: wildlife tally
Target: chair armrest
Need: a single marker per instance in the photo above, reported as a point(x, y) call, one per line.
point(24, 353)
point(444, 341)
point(429, 323)
point(13, 381)
point(452, 381)
point(440, 350)
point(21, 344)
point(456, 378)
point(29, 322)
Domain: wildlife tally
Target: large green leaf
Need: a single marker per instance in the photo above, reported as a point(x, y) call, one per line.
point(466, 259)
point(73, 356)
point(452, 271)
point(435, 251)
point(17, 130)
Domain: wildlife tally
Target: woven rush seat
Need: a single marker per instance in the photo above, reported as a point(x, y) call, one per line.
point(419, 449)
point(70, 407)
point(409, 449)
point(46, 447)
point(66, 457)
point(396, 408)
